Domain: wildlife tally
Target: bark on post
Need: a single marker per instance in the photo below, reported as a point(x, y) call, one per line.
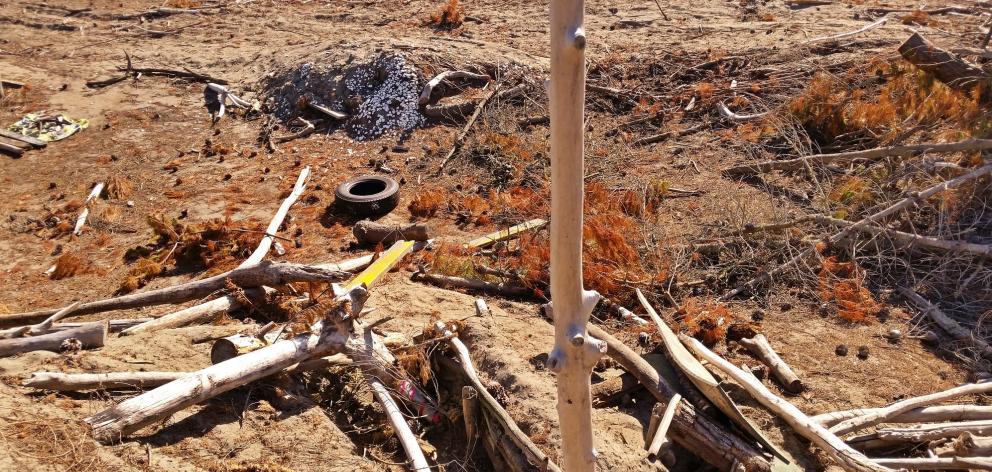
point(575, 352)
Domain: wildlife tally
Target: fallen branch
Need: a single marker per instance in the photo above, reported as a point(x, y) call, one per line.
point(869, 154)
point(663, 136)
point(161, 12)
point(425, 95)
point(722, 108)
point(929, 432)
point(332, 114)
point(503, 289)
point(134, 72)
point(34, 142)
point(845, 456)
point(265, 273)
point(967, 445)
point(11, 149)
point(883, 415)
point(81, 220)
point(929, 414)
point(761, 349)
point(937, 463)
point(223, 95)
point(307, 130)
point(948, 68)
point(40, 328)
point(610, 391)
point(266, 243)
point(947, 323)
point(113, 380)
point(914, 240)
point(660, 443)
point(460, 138)
point(369, 233)
point(848, 34)
point(200, 313)
point(407, 439)
point(534, 454)
point(91, 335)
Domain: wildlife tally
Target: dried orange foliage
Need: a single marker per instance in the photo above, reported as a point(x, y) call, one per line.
point(119, 187)
point(426, 203)
point(917, 17)
point(842, 283)
point(853, 194)
point(835, 106)
point(450, 16)
point(706, 321)
point(68, 265)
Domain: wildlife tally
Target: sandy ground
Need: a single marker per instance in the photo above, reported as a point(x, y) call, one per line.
point(137, 127)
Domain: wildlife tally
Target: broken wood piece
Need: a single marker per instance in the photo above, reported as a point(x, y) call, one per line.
point(81, 220)
point(223, 94)
point(11, 149)
point(34, 142)
point(882, 415)
point(307, 130)
point(762, 349)
point(91, 335)
point(40, 328)
point(947, 323)
point(113, 380)
point(967, 445)
point(407, 439)
point(505, 234)
point(663, 136)
point(265, 273)
point(503, 289)
point(370, 233)
point(660, 443)
point(509, 426)
point(722, 108)
point(937, 463)
point(266, 243)
point(929, 432)
point(948, 68)
point(869, 154)
point(334, 115)
point(845, 456)
point(610, 391)
point(856, 32)
point(200, 313)
point(425, 95)
point(235, 345)
point(927, 414)
point(470, 414)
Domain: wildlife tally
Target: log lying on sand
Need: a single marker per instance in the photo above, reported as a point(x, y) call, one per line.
point(200, 313)
point(369, 233)
point(928, 414)
point(845, 456)
point(883, 415)
point(91, 335)
point(610, 392)
point(265, 273)
point(113, 380)
point(945, 66)
point(40, 328)
point(760, 347)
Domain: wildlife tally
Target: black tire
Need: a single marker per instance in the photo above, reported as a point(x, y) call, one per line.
point(367, 195)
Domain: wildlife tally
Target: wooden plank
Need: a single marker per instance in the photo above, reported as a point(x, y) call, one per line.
point(374, 272)
point(35, 142)
point(11, 149)
point(502, 235)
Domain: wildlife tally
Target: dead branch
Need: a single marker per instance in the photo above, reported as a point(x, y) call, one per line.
point(663, 136)
point(802, 424)
point(929, 432)
point(332, 114)
point(610, 391)
point(722, 108)
point(263, 246)
point(869, 154)
point(460, 138)
point(660, 442)
point(34, 142)
point(937, 463)
point(11, 149)
point(503, 289)
point(112, 380)
point(534, 454)
point(134, 72)
point(868, 27)
point(40, 328)
point(91, 335)
point(945, 66)
point(946, 323)
point(761, 349)
point(265, 273)
point(882, 415)
point(307, 130)
point(470, 414)
point(447, 76)
point(396, 419)
point(929, 414)
point(967, 445)
point(369, 233)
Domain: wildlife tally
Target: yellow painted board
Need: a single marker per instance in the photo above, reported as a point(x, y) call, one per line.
point(382, 265)
point(513, 231)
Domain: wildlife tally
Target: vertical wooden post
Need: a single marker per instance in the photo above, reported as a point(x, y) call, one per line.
point(575, 352)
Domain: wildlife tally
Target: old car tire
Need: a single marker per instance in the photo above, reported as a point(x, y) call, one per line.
point(368, 195)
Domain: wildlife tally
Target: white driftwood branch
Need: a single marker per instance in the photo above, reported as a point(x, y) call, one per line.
point(273, 228)
point(760, 347)
point(937, 463)
point(533, 453)
point(869, 154)
point(660, 442)
point(722, 108)
point(407, 439)
point(882, 415)
point(914, 240)
point(967, 445)
point(802, 424)
point(201, 313)
point(929, 432)
point(947, 323)
point(40, 328)
point(112, 380)
point(90, 334)
point(307, 130)
point(868, 27)
point(928, 414)
point(81, 220)
point(425, 95)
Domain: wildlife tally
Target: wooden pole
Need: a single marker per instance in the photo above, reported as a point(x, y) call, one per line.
point(575, 352)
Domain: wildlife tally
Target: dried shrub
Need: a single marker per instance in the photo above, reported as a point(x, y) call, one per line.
point(706, 321)
point(426, 203)
point(916, 17)
point(852, 194)
point(450, 16)
point(48, 443)
point(143, 271)
point(842, 284)
point(119, 188)
point(68, 265)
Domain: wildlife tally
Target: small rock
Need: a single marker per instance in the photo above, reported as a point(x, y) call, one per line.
point(894, 335)
point(841, 350)
point(863, 352)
